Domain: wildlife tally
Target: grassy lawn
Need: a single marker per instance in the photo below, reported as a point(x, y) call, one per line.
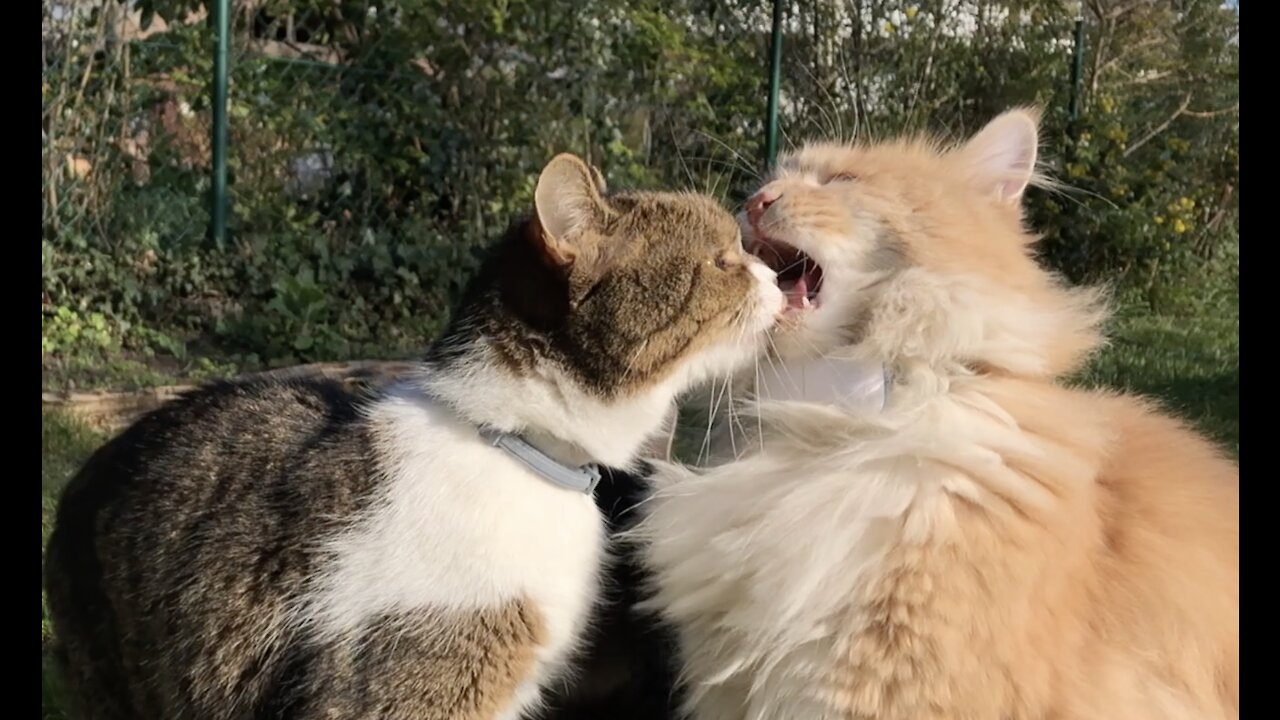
point(1191, 365)
point(64, 444)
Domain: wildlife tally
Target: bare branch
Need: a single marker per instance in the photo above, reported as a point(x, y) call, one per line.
point(1186, 102)
point(1212, 113)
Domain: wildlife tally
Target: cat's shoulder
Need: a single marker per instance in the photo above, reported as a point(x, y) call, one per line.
point(243, 417)
point(256, 404)
point(259, 393)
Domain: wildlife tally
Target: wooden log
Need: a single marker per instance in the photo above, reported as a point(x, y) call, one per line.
point(115, 410)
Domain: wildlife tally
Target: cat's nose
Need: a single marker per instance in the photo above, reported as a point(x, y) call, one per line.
point(758, 203)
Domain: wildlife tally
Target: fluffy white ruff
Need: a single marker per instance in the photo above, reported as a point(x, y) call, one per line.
point(753, 560)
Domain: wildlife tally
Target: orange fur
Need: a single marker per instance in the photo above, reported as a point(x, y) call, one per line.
point(995, 544)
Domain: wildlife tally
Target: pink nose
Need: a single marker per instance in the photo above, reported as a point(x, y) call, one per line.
point(758, 203)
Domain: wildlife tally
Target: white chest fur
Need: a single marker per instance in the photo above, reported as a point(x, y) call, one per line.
point(853, 384)
point(752, 562)
point(460, 525)
point(755, 560)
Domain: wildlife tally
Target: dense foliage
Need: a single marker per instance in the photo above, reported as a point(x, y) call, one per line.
point(375, 146)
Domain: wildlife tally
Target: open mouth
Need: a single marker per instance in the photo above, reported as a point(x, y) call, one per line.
point(799, 276)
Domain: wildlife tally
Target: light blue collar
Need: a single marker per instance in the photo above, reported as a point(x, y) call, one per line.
point(582, 479)
point(856, 385)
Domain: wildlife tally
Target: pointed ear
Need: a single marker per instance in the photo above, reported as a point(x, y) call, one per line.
point(1002, 156)
point(601, 186)
point(568, 203)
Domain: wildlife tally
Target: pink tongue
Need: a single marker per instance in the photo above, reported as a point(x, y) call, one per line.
point(801, 287)
point(797, 293)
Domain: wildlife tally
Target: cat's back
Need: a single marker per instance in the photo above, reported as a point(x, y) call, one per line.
point(1158, 544)
point(286, 547)
point(226, 426)
point(1169, 501)
point(1172, 471)
point(223, 446)
point(177, 540)
point(1156, 556)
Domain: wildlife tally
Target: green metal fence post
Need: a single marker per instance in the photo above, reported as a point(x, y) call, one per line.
point(775, 80)
point(1077, 64)
point(222, 27)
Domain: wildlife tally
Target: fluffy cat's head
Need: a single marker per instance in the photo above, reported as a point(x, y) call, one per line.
point(912, 250)
point(606, 299)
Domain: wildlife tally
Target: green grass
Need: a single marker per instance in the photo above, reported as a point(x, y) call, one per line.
point(1192, 365)
point(65, 443)
point(120, 372)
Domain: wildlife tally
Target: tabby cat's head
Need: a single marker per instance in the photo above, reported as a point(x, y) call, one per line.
point(616, 293)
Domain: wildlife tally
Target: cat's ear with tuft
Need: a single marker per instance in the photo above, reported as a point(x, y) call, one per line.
point(601, 186)
point(1002, 156)
point(568, 205)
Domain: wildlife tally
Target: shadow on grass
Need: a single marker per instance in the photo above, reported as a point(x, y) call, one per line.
point(65, 443)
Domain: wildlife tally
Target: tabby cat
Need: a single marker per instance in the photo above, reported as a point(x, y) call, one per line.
point(276, 548)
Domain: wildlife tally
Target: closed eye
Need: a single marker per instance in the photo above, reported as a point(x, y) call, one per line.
point(842, 177)
point(728, 259)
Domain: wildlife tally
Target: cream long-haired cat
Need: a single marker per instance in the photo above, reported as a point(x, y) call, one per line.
point(985, 542)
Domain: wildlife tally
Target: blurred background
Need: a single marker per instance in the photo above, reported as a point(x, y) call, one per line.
point(373, 147)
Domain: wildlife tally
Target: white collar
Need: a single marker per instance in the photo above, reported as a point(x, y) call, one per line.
point(853, 384)
point(583, 478)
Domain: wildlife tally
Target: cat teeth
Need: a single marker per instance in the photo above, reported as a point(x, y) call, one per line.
point(805, 302)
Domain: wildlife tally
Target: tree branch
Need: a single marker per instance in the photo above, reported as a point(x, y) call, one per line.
point(1186, 102)
point(1212, 113)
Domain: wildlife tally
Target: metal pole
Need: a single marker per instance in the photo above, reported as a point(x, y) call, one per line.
point(775, 80)
point(1077, 64)
point(222, 28)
